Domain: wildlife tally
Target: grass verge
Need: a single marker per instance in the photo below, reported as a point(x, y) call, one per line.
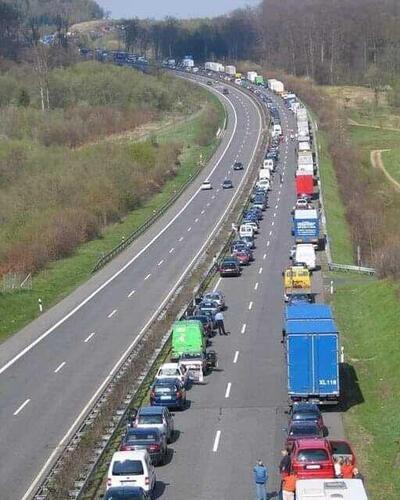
point(338, 230)
point(63, 276)
point(367, 312)
point(391, 161)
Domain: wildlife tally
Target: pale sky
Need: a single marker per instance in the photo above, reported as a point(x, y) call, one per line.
point(178, 8)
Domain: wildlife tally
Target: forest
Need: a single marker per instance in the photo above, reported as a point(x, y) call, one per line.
point(335, 41)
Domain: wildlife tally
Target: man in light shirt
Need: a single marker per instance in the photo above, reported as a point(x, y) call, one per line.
point(219, 320)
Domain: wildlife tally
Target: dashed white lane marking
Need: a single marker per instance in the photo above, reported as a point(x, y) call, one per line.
point(131, 293)
point(236, 357)
point(268, 243)
point(260, 270)
point(278, 199)
point(250, 306)
point(113, 312)
point(276, 206)
point(60, 367)
point(256, 286)
point(21, 407)
point(89, 337)
point(161, 262)
point(243, 330)
point(171, 250)
point(216, 441)
point(213, 197)
point(273, 223)
point(270, 233)
point(189, 229)
point(208, 204)
point(202, 212)
point(228, 390)
point(265, 256)
point(279, 192)
point(181, 238)
point(217, 284)
point(196, 220)
point(274, 214)
point(217, 190)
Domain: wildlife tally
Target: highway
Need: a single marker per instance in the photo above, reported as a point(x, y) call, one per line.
point(54, 368)
point(238, 415)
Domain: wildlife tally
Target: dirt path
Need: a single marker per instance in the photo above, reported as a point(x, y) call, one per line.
point(356, 124)
point(376, 161)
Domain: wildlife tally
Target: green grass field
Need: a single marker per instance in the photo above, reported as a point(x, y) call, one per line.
point(391, 161)
point(368, 317)
point(62, 277)
point(338, 231)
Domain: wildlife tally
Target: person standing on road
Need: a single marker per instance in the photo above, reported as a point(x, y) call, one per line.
point(289, 486)
point(260, 478)
point(284, 466)
point(219, 320)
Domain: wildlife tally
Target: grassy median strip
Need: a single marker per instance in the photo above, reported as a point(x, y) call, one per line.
point(368, 315)
point(63, 276)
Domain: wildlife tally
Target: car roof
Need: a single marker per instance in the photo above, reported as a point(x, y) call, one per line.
point(151, 410)
point(169, 365)
point(120, 456)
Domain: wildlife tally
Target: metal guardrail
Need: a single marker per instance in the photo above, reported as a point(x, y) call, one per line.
point(346, 267)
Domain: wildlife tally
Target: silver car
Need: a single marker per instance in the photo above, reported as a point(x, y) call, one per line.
point(155, 417)
point(217, 297)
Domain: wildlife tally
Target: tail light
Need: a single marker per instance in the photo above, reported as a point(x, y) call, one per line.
point(154, 447)
point(147, 481)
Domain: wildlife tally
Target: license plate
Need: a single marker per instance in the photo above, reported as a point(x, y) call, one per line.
point(127, 481)
point(165, 398)
point(313, 467)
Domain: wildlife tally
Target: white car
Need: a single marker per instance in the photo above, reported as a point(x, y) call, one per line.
point(206, 185)
point(305, 253)
point(132, 468)
point(264, 184)
point(253, 225)
point(173, 371)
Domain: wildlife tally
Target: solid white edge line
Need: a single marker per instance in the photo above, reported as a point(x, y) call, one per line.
point(137, 338)
point(236, 357)
point(216, 441)
point(131, 261)
point(89, 337)
point(21, 407)
point(61, 365)
point(228, 390)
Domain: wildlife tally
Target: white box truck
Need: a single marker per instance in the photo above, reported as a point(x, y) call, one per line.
point(251, 76)
point(231, 70)
point(326, 489)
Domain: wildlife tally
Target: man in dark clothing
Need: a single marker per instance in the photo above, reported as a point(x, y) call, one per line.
point(284, 466)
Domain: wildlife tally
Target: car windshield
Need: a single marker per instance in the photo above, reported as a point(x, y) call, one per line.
point(313, 455)
point(168, 372)
point(134, 437)
point(127, 468)
point(229, 265)
point(304, 430)
point(163, 389)
point(150, 419)
point(213, 296)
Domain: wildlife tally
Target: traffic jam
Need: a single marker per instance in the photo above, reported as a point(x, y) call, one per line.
point(312, 466)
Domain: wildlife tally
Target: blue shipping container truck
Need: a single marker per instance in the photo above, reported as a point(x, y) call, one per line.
point(312, 350)
point(306, 227)
point(308, 312)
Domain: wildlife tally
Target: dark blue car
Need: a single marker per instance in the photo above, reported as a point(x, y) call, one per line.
point(169, 393)
point(126, 493)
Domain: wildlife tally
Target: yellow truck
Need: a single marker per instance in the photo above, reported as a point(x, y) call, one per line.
point(296, 279)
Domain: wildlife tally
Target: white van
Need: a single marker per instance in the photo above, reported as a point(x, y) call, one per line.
point(132, 468)
point(304, 146)
point(268, 163)
point(327, 489)
point(264, 173)
point(276, 130)
point(246, 230)
point(305, 253)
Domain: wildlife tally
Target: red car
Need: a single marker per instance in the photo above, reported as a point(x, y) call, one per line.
point(312, 459)
point(242, 257)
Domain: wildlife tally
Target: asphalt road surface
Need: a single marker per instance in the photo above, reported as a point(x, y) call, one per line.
point(238, 415)
point(54, 368)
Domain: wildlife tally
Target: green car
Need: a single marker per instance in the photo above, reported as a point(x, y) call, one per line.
point(187, 337)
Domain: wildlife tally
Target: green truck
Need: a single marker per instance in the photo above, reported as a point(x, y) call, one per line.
point(259, 80)
point(187, 337)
